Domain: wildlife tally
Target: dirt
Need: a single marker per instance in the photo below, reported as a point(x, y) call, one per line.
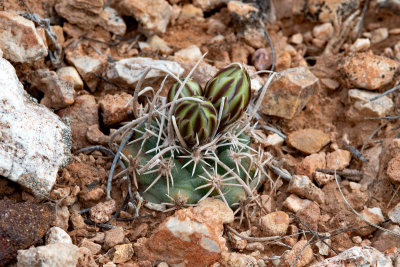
point(326, 111)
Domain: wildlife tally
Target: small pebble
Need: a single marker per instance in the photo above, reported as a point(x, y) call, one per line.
point(296, 38)
point(379, 35)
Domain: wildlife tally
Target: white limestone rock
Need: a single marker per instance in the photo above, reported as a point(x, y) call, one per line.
point(57, 235)
point(34, 142)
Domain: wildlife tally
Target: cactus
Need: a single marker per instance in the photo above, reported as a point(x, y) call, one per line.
point(176, 154)
point(233, 83)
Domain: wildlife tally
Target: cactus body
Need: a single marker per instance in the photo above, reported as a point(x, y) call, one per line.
point(191, 88)
point(233, 83)
point(196, 119)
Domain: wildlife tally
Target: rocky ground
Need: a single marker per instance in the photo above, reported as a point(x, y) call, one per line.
point(329, 124)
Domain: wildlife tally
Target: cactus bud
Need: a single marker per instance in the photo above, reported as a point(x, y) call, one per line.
point(191, 88)
point(233, 83)
point(195, 118)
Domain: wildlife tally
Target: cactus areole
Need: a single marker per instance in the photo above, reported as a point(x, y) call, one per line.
point(204, 157)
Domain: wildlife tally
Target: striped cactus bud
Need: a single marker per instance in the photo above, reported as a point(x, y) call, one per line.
point(195, 118)
point(191, 88)
point(233, 83)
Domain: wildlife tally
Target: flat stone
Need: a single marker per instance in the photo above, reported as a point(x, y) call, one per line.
point(288, 95)
point(305, 257)
point(70, 73)
point(123, 253)
point(153, 15)
point(58, 254)
point(191, 237)
point(128, 71)
point(310, 163)
point(295, 204)
point(363, 107)
point(357, 256)
point(368, 71)
point(338, 160)
point(275, 223)
point(35, 218)
point(93, 247)
point(58, 92)
point(56, 234)
point(393, 169)
point(102, 211)
point(19, 40)
point(114, 237)
point(191, 53)
point(113, 108)
point(155, 43)
point(301, 185)
point(330, 84)
point(35, 143)
point(308, 140)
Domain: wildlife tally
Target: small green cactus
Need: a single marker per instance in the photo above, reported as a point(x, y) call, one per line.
point(233, 83)
point(191, 88)
point(196, 120)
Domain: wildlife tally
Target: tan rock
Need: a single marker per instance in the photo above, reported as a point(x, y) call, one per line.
point(288, 95)
point(77, 221)
point(275, 223)
point(114, 109)
point(262, 59)
point(233, 259)
point(95, 136)
point(93, 247)
point(373, 215)
point(330, 84)
point(190, 11)
point(207, 5)
point(323, 32)
point(296, 38)
point(102, 211)
point(330, 10)
point(85, 258)
point(379, 35)
point(70, 73)
point(254, 37)
point(363, 107)
point(366, 70)
point(393, 169)
point(123, 253)
point(295, 204)
point(191, 53)
point(306, 255)
point(19, 40)
point(338, 160)
point(62, 218)
point(308, 140)
point(310, 163)
point(302, 186)
point(310, 216)
point(361, 44)
point(283, 61)
point(114, 237)
point(323, 178)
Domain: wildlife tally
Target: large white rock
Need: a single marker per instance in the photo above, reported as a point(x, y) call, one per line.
point(52, 255)
point(34, 142)
point(19, 39)
point(130, 70)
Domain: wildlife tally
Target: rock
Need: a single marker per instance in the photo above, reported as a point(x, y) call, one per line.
point(357, 256)
point(87, 66)
point(62, 217)
point(274, 140)
point(363, 107)
point(57, 255)
point(35, 143)
point(77, 221)
point(114, 237)
point(208, 5)
point(394, 214)
point(233, 259)
point(296, 38)
point(91, 246)
point(384, 240)
point(308, 140)
point(102, 211)
point(361, 44)
point(191, 237)
point(123, 253)
point(191, 53)
point(153, 15)
point(275, 223)
point(301, 185)
point(323, 32)
point(338, 160)
point(190, 11)
point(310, 216)
point(366, 70)
point(373, 215)
point(71, 74)
point(288, 95)
point(379, 35)
point(36, 220)
point(310, 163)
point(330, 84)
point(330, 10)
point(56, 234)
point(95, 136)
point(113, 108)
point(253, 36)
point(85, 258)
point(393, 169)
point(262, 59)
point(305, 258)
point(155, 43)
point(82, 114)
point(323, 178)
point(295, 204)
point(19, 40)
point(58, 92)
point(128, 71)
point(112, 22)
